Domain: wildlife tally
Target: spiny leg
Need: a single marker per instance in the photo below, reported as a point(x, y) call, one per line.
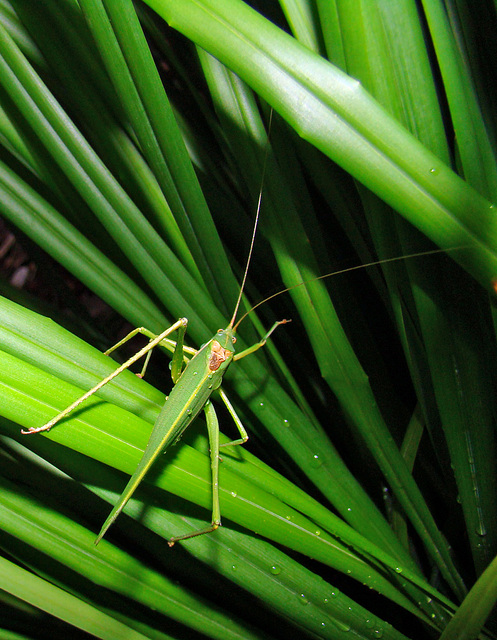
point(213, 432)
point(180, 324)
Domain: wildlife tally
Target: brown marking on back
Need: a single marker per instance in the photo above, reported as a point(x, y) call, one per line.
point(218, 355)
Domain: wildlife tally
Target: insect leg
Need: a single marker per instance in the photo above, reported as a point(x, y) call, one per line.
point(213, 431)
point(182, 322)
point(236, 420)
point(261, 343)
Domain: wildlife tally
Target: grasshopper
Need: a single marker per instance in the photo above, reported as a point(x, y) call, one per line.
point(190, 394)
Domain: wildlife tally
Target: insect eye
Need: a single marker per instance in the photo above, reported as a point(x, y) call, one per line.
point(233, 339)
point(220, 331)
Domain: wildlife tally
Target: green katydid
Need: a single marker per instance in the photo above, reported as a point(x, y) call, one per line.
point(190, 394)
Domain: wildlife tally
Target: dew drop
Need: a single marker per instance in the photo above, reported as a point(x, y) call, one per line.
point(234, 494)
point(234, 567)
point(370, 623)
point(275, 570)
point(286, 423)
point(261, 404)
point(335, 593)
point(316, 462)
point(434, 171)
point(398, 569)
point(317, 532)
point(303, 599)
point(378, 633)
point(188, 411)
point(195, 373)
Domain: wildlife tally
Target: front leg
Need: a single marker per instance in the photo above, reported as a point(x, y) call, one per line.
point(261, 343)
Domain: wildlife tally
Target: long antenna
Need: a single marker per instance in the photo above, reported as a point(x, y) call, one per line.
point(342, 271)
point(256, 223)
